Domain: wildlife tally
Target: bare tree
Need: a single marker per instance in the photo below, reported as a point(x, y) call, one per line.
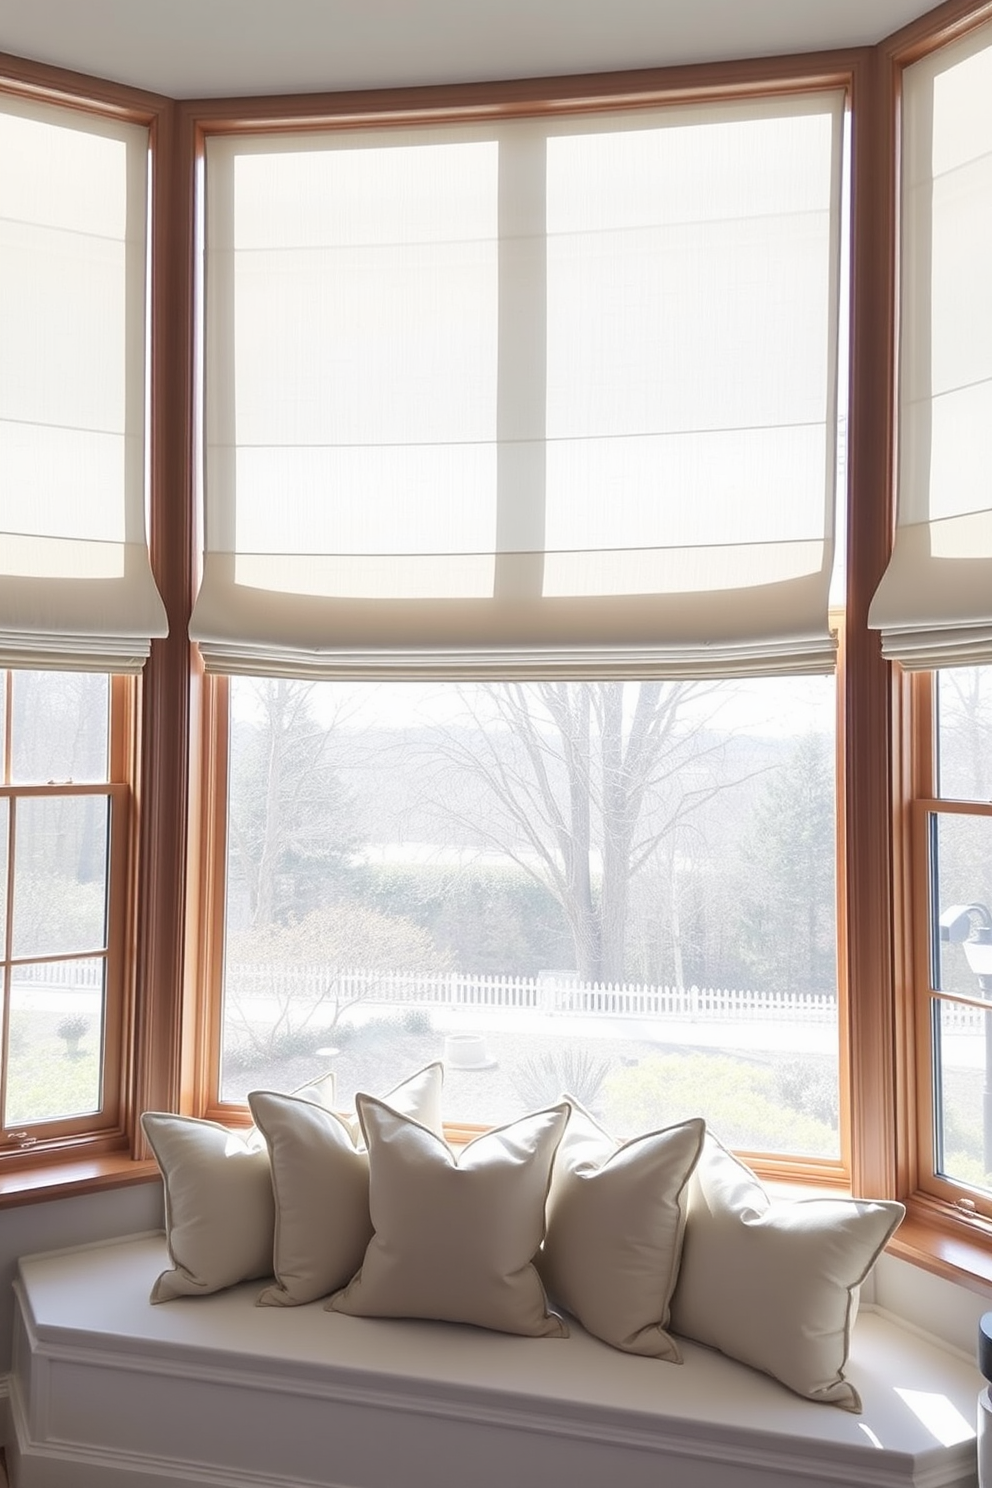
point(297, 971)
point(966, 731)
point(580, 787)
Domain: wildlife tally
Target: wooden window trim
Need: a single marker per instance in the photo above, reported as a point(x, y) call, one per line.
point(58, 1139)
point(541, 97)
point(944, 1232)
point(155, 750)
point(934, 1191)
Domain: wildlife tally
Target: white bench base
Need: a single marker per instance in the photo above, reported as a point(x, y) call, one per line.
point(214, 1392)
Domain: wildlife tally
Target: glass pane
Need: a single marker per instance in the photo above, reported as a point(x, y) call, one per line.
point(54, 1064)
point(964, 1098)
point(60, 875)
point(623, 890)
point(962, 895)
point(60, 727)
point(964, 733)
point(4, 852)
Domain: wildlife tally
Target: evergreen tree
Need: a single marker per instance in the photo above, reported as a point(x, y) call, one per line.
point(291, 822)
point(787, 916)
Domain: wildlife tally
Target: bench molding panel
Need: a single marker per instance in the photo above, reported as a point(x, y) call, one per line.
point(110, 1392)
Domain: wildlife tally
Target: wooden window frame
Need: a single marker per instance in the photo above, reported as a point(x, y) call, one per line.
point(58, 1138)
point(149, 748)
point(540, 98)
point(934, 1190)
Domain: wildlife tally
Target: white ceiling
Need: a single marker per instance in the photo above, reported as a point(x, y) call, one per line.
point(204, 48)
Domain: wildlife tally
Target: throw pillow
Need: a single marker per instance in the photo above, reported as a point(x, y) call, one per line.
point(320, 1179)
point(219, 1213)
point(616, 1217)
point(456, 1236)
point(775, 1283)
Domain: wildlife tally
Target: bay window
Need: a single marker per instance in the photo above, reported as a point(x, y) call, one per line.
point(503, 689)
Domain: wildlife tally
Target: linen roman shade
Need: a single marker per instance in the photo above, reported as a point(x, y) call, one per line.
point(535, 395)
point(934, 604)
point(76, 588)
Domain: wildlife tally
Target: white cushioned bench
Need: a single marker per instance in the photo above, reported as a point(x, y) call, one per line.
point(108, 1391)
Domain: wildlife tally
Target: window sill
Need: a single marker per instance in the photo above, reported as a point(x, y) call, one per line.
point(78, 1175)
point(962, 1254)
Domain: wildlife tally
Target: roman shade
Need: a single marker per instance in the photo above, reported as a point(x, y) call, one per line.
point(934, 604)
point(76, 588)
point(549, 395)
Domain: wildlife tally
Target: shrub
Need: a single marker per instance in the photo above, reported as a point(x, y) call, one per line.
point(737, 1097)
point(541, 1079)
point(809, 1085)
point(417, 1021)
point(73, 1028)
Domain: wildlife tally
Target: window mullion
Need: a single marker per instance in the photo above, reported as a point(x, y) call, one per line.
point(522, 372)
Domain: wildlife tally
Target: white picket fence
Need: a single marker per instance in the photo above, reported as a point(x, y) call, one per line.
point(546, 993)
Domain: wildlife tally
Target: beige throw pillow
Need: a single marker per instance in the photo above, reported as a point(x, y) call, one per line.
point(320, 1179)
point(775, 1283)
point(455, 1237)
point(616, 1217)
point(219, 1213)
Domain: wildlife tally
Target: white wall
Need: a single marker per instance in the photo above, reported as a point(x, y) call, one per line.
point(30, 1228)
point(948, 1312)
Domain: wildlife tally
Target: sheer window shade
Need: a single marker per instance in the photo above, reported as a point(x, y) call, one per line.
point(543, 395)
point(76, 589)
point(934, 604)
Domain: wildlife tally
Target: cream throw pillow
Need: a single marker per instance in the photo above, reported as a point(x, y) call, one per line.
point(320, 1179)
point(775, 1283)
point(455, 1237)
point(219, 1213)
point(616, 1217)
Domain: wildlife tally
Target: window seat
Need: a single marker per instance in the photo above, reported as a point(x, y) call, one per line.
point(108, 1391)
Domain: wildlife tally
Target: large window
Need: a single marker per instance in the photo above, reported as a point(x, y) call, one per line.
point(954, 847)
point(78, 607)
point(934, 606)
point(63, 871)
point(625, 890)
point(543, 398)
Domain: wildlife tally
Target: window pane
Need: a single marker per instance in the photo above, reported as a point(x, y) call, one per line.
point(60, 727)
point(961, 899)
point(964, 733)
point(60, 875)
point(4, 860)
point(964, 1101)
point(55, 1041)
point(622, 890)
